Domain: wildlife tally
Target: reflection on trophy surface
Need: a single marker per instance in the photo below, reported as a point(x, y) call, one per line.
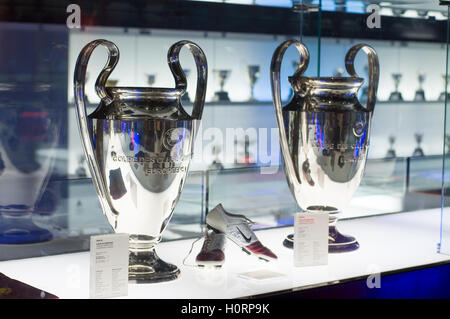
point(28, 137)
point(418, 151)
point(324, 136)
point(138, 143)
point(253, 74)
point(391, 151)
point(291, 91)
point(420, 93)
point(445, 82)
point(222, 76)
point(185, 97)
point(396, 95)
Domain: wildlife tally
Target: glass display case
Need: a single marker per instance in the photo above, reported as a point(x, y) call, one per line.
point(49, 207)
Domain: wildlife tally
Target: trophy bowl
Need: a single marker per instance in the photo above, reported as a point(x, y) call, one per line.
point(324, 135)
point(138, 144)
point(396, 95)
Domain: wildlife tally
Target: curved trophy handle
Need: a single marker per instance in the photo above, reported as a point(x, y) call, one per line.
point(275, 67)
point(180, 78)
point(374, 71)
point(80, 101)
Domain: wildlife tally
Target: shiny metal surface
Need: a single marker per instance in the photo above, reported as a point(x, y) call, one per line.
point(324, 135)
point(138, 143)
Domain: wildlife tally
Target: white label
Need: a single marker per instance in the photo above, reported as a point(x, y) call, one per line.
point(310, 239)
point(109, 266)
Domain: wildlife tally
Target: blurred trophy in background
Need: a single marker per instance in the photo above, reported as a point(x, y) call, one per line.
point(253, 75)
point(222, 76)
point(365, 89)
point(418, 151)
point(185, 97)
point(338, 73)
point(420, 93)
point(445, 82)
point(391, 151)
point(396, 95)
point(112, 82)
point(447, 144)
point(151, 79)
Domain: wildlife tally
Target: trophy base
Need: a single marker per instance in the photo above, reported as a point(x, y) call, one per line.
point(420, 96)
point(221, 96)
point(20, 229)
point(395, 97)
point(337, 242)
point(146, 267)
point(418, 152)
point(391, 154)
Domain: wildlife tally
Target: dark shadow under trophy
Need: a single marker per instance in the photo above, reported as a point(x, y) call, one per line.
point(253, 75)
point(396, 95)
point(418, 151)
point(443, 93)
point(222, 76)
point(391, 151)
point(420, 93)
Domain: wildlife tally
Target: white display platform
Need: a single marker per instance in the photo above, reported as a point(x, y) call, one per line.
point(388, 242)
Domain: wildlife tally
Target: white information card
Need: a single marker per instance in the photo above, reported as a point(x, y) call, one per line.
point(310, 239)
point(109, 266)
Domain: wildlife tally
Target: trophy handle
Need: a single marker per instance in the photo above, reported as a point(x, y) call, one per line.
point(81, 103)
point(275, 67)
point(374, 71)
point(180, 78)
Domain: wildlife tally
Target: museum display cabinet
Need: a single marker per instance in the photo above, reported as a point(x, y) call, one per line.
point(395, 189)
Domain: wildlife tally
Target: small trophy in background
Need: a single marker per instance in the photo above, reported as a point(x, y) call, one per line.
point(151, 78)
point(420, 93)
point(391, 151)
point(338, 73)
point(418, 150)
point(291, 91)
point(445, 81)
point(365, 89)
point(185, 97)
point(396, 95)
point(447, 144)
point(112, 82)
point(253, 74)
point(222, 76)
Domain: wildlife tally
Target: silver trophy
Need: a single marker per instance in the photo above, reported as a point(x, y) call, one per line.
point(420, 93)
point(253, 75)
point(222, 76)
point(138, 144)
point(418, 151)
point(324, 136)
point(445, 79)
point(365, 89)
point(396, 95)
point(391, 151)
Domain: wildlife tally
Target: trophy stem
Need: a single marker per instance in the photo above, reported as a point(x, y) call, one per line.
point(145, 266)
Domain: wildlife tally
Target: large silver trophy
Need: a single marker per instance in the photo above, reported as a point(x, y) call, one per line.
point(138, 143)
point(324, 136)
